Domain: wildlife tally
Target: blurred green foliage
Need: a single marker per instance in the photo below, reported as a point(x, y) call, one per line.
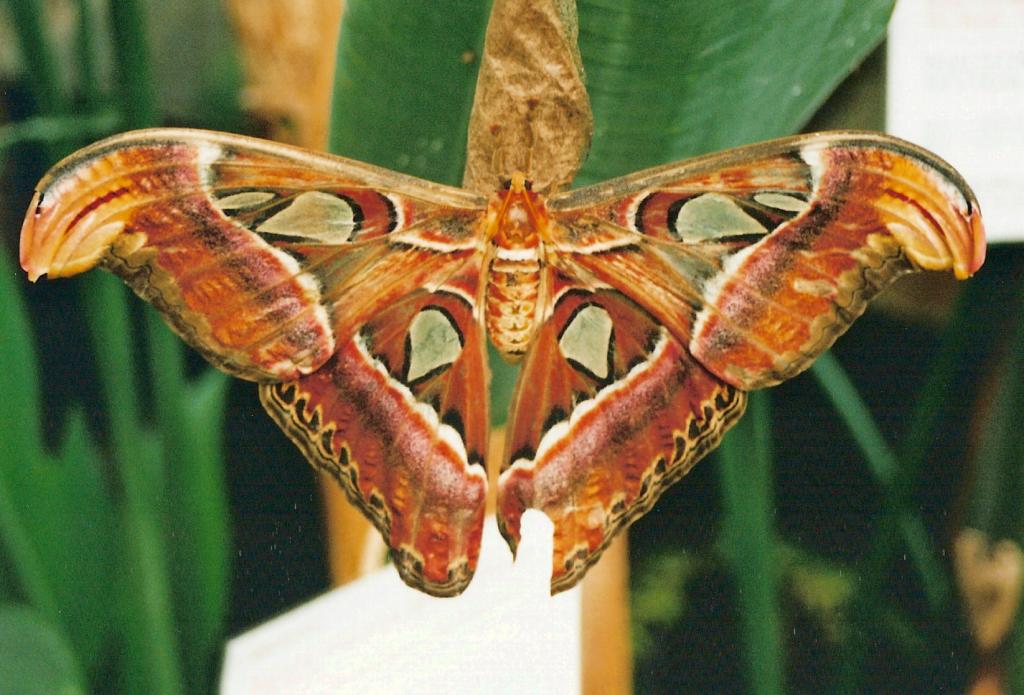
point(120, 546)
point(809, 556)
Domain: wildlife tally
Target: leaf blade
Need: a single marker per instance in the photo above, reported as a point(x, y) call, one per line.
point(35, 659)
point(723, 75)
point(422, 91)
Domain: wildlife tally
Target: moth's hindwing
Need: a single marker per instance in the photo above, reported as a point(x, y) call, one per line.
point(609, 411)
point(399, 417)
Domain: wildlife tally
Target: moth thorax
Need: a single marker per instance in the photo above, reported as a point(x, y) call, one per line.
point(512, 288)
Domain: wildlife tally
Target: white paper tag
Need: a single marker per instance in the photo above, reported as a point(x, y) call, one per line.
point(376, 636)
point(956, 86)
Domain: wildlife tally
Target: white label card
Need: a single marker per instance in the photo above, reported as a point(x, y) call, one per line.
point(956, 86)
point(376, 636)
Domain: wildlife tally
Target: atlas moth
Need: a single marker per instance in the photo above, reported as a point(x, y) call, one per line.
point(642, 309)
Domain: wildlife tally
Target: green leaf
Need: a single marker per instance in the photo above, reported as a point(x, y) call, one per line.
point(672, 80)
point(151, 653)
point(191, 418)
point(55, 512)
point(995, 504)
point(18, 375)
point(885, 468)
point(210, 94)
point(35, 659)
point(134, 67)
point(404, 84)
point(658, 595)
point(57, 129)
point(72, 519)
point(30, 19)
point(748, 543)
point(847, 401)
point(150, 656)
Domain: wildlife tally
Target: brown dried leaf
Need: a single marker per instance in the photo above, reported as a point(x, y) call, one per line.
point(530, 112)
point(288, 51)
point(990, 577)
